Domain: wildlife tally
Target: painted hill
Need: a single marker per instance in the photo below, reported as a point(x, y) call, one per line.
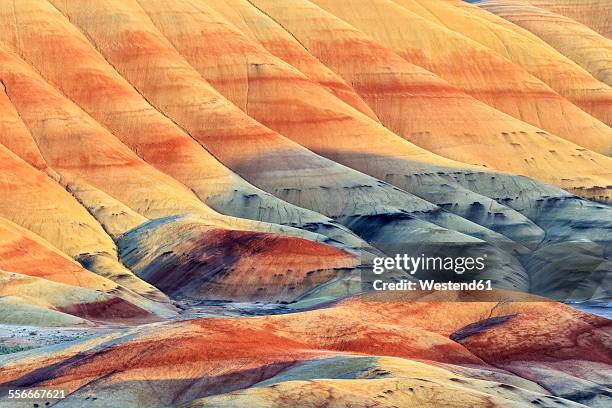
point(534, 55)
point(186, 161)
point(195, 192)
point(203, 262)
point(184, 361)
point(338, 152)
point(595, 14)
point(268, 149)
point(592, 51)
point(394, 88)
point(36, 274)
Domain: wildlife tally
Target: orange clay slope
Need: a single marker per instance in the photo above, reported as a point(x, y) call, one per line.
point(141, 53)
point(79, 148)
point(229, 265)
point(93, 166)
point(595, 14)
point(76, 146)
point(477, 70)
point(279, 166)
point(30, 267)
point(187, 360)
point(91, 172)
point(260, 155)
point(542, 61)
point(32, 301)
point(34, 201)
point(495, 333)
point(370, 160)
point(408, 100)
point(98, 89)
point(586, 47)
point(101, 165)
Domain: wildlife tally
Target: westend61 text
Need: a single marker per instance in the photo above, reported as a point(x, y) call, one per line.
point(482, 284)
